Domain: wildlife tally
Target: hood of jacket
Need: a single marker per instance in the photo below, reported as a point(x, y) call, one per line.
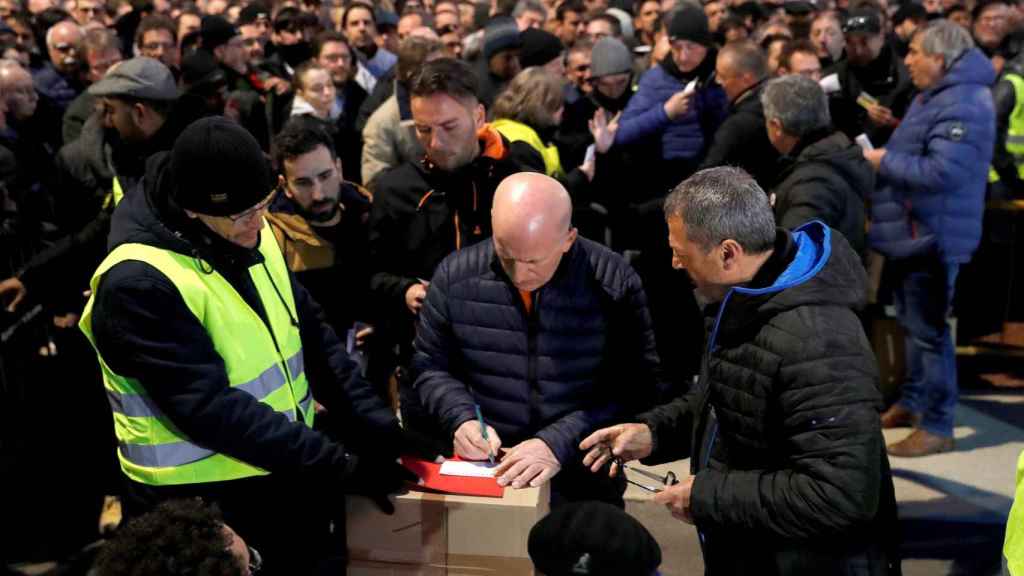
point(825, 271)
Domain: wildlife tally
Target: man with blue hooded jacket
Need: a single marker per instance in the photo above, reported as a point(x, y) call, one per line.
point(926, 219)
point(782, 430)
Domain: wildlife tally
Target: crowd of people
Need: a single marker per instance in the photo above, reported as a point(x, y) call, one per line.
point(253, 250)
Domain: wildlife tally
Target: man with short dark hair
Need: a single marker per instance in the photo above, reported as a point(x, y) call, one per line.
point(389, 138)
point(319, 220)
point(781, 428)
point(360, 26)
point(907, 20)
point(800, 58)
point(741, 140)
point(427, 208)
point(156, 37)
point(571, 25)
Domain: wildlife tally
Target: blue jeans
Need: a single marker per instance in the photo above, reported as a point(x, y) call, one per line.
point(923, 296)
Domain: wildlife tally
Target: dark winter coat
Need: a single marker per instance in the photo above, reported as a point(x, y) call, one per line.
point(887, 79)
point(742, 140)
point(144, 330)
point(825, 178)
point(584, 357)
point(791, 474)
point(932, 179)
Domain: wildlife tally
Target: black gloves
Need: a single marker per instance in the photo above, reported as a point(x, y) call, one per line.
point(376, 478)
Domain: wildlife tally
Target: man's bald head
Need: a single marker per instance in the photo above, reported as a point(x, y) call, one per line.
point(532, 223)
point(64, 45)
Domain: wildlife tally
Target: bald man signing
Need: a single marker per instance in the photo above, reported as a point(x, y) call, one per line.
point(547, 332)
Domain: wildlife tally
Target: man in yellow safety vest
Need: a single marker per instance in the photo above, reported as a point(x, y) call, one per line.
point(212, 355)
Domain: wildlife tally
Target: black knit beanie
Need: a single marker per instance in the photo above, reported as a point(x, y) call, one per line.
point(218, 168)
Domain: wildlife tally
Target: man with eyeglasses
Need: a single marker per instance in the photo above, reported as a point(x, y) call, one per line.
point(213, 354)
point(58, 80)
point(156, 37)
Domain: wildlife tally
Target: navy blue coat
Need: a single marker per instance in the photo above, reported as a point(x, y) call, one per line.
point(585, 356)
point(931, 189)
point(682, 138)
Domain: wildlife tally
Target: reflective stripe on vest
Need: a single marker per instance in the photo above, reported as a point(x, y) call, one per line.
point(265, 363)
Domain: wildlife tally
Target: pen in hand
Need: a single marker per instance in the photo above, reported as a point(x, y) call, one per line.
point(483, 432)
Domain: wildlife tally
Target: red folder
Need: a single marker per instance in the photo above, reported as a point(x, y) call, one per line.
point(430, 473)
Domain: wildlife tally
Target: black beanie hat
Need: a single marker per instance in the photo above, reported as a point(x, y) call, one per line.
point(217, 168)
point(592, 538)
point(539, 47)
point(690, 23)
point(216, 31)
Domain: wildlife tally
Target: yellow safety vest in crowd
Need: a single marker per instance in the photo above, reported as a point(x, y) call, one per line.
point(519, 132)
point(115, 195)
point(266, 363)
point(1013, 548)
point(1015, 130)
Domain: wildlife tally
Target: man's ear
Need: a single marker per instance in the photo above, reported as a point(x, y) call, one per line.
point(283, 184)
point(570, 239)
point(731, 251)
point(480, 116)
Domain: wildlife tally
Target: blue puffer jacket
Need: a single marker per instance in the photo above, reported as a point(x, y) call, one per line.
point(931, 189)
point(684, 137)
point(585, 357)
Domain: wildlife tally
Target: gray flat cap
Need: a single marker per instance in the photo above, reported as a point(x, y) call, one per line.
point(143, 78)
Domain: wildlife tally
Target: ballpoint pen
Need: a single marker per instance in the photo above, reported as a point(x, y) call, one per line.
point(483, 432)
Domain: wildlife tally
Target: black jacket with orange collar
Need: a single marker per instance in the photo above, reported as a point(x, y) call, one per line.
point(421, 214)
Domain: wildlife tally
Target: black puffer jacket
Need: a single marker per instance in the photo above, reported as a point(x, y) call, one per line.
point(416, 204)
point(584, 357)
point(826, 178)
point(796, 480)
point(742, 140)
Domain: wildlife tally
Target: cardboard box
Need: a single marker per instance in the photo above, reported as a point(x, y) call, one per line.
point(444, 535)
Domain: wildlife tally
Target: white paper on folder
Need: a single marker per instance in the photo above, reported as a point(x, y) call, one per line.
point(473, 469)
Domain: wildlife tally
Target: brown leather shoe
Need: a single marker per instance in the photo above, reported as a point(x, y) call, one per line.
point(899, 417)
point(920, 443)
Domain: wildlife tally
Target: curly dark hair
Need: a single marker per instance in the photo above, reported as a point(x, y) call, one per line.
point(179, 537)
point(301, 135)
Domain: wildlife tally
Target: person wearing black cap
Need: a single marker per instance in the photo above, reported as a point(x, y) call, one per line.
point(542, 48)
point(254, 25)
point(907, 20)
point(874, 86)
point(676, 103)
point(592, 539)
point(499, 61)
point(195, 310)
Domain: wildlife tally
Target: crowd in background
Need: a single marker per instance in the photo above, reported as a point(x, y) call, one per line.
point(619, 100)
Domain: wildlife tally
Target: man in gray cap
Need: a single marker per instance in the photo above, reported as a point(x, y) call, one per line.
point(95, 171)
